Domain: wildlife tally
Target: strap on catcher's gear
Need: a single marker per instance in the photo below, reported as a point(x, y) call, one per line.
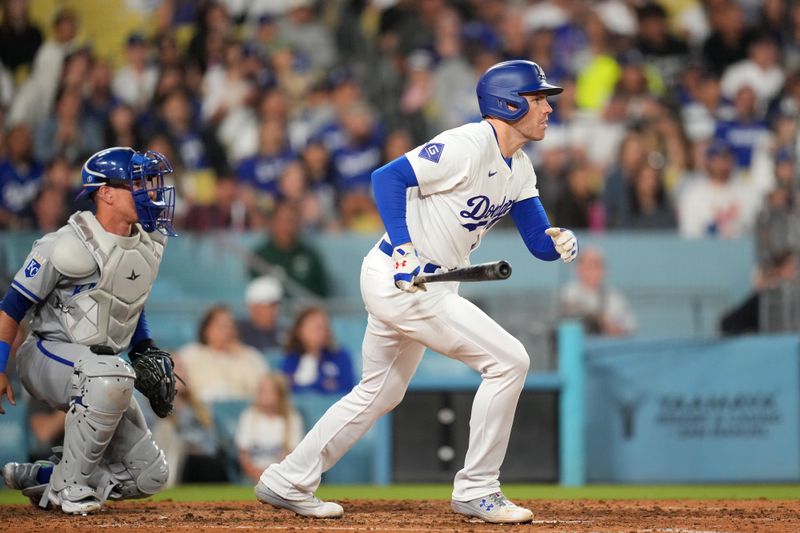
point(155, 379)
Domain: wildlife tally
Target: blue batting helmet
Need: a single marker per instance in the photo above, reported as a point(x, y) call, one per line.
point(505, 83)
point(141, 173)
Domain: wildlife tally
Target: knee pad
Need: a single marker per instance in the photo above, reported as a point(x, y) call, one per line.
point(143, 471)
point(100, 392)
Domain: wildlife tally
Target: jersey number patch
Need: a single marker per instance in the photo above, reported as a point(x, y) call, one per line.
point(432, 152)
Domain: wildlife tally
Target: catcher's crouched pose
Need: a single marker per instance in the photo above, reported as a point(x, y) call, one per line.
point(86, 285)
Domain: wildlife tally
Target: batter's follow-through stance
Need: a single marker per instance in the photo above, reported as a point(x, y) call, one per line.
point(85, 286)
point(436, 202)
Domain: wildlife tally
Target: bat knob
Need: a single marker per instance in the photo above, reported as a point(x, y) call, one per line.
point(503, 270)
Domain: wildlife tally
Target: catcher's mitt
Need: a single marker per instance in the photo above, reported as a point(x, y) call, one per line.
point(155, 379)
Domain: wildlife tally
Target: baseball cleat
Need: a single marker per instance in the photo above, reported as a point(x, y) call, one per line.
point(494, 508)
point(311, 506)
point(23, 477)
point(85, 506)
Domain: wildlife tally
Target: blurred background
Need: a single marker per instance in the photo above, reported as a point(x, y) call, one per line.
point(673, 152)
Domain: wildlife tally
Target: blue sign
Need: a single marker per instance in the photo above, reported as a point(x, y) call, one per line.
point(700, 411)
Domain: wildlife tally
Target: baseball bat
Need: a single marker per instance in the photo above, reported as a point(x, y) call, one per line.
point(479, 272)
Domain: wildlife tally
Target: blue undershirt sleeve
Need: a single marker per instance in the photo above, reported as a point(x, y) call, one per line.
point(15, 304)
point(531, 221)
point(141, 335)
point(389, 184)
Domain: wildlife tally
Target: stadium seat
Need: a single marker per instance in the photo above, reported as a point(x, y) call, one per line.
point(226, 417)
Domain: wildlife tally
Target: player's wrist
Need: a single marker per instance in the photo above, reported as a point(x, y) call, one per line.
point(5, 353)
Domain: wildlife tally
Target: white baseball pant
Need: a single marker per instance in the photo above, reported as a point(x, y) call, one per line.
point(400, 325)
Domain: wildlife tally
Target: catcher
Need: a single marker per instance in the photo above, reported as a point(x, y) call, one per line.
point(85, 286)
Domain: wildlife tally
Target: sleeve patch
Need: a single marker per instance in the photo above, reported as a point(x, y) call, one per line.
point(34, 266)
point(432, 152)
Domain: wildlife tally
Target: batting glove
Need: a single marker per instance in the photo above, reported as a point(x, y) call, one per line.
point(406, 268)
point(565, 241)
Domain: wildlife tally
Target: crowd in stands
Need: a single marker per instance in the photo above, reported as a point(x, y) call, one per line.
point(676, 116)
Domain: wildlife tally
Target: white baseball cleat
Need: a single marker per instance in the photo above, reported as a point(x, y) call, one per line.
point(87, 505)
point(494, 508)
point(310, 506)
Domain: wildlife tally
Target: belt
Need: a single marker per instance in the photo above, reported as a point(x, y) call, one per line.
point(387, 248)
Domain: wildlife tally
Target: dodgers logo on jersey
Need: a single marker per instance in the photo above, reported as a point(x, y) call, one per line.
point(484, 212)
point(432, 152)
point(32, 268)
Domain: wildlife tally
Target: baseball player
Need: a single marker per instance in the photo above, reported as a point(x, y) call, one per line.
point(436, 202)
point(85, 287)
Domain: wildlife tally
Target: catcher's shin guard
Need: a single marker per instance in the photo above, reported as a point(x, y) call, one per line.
point(142, 472)
point(100, 393)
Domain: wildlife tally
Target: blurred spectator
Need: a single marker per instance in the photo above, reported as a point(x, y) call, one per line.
point(189, 438)
point(663, 50)
point(67, 132)
point(285, 249)
point(306, 34)
point(574, 207)
point(730, 36)
point(750, 316)
point(213, 27)
point(649, 207)
point(761, 71)
point(218, 366)
point(48, 212)
point(261, 328)
point(619, 179)
point(135, 82)
point(602, 309)
point(34, 101)
point(20, 39)
point(269, 429)
point(227, 211)
point(263, 170)
point(312, 361)
point(196, 147)
point(716, 204)
point(121, 128)
point(700, 114)
point(99, 100)
point(20, 175)
point(745, 129)
point(46, 426)
point(227, 88)
point(360, 154)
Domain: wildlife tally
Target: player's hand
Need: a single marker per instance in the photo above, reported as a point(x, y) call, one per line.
point(406, 268)
point(5, 390)
point(565, 241)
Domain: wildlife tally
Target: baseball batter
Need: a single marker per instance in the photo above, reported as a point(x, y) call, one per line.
point(85, 286)
point(437, 202)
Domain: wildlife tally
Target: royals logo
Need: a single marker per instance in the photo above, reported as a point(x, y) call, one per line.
point(483, 212)
point(33, 267)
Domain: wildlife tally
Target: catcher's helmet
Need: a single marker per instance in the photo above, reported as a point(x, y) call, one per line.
point(505, 83)
point(143, 174)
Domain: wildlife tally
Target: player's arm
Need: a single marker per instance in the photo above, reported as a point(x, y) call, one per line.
point(389, 185)
point(543, 241)
point(12, 310)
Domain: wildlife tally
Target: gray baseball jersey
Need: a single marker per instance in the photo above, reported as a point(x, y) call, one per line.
point(89, 286)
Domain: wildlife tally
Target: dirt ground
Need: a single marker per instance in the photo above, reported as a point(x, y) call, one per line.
point(673, 516)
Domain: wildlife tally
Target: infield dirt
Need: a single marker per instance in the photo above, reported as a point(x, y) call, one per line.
point(640, 516)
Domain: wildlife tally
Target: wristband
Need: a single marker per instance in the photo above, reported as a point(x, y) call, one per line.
point(5, 351)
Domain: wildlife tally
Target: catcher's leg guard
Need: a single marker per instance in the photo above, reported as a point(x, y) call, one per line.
point(137, 466)
point(100, 393)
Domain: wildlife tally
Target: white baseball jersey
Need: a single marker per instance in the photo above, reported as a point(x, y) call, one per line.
point(465, 187)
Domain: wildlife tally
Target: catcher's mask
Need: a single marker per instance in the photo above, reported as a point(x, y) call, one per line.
point(141, 173)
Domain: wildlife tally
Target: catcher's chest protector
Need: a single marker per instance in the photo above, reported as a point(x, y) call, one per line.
point(107, 313)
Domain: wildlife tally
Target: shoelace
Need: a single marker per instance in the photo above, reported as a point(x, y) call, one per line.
point(499, 499)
